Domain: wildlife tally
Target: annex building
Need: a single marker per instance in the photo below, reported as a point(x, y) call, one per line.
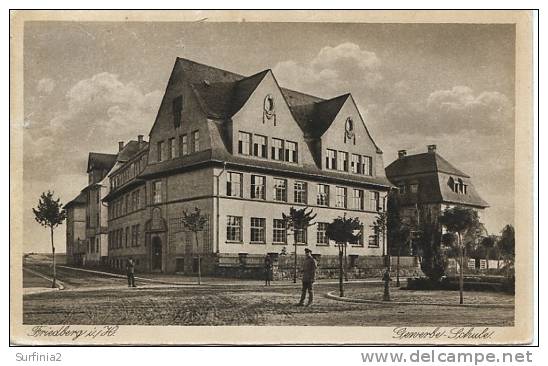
point(243, 150)
point(428, 184)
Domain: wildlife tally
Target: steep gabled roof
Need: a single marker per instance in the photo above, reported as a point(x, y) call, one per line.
point(78, 200)
point(430, 162)
point(222, 93)
point(129, 150)
point(433, 174)
point(324, 115)
point(101, 161)
point(222, 100)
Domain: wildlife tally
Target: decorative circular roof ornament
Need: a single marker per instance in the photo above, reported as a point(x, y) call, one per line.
point(269, 106)
point(349, 128)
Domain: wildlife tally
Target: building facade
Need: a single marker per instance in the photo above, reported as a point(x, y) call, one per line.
point(428, 184)
point(99, 165)
point(243, 151)
point(76, 230)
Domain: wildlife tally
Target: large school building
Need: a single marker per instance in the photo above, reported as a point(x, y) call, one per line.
point(243, 150)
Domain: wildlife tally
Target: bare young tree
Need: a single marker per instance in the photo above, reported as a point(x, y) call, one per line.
point(50, 213)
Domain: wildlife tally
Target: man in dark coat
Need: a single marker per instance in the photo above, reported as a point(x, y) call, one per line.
point(267, 270)
point(130, 270)
point(309, 276)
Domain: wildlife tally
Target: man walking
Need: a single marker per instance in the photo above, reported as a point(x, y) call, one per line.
point(309, 276)
point(130, 269)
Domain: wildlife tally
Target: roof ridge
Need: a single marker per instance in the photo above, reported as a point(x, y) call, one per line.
point(303, 93)
point(209, 66)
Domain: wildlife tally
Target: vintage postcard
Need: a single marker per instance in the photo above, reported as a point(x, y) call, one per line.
point(271, 177)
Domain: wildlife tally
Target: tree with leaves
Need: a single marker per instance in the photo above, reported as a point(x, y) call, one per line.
point(460, 221)
point(488, 243)
point(195, 222)
point(298, 219)
point(398, 231)
point(507, 246)
point(342, 231)
point(50, 213)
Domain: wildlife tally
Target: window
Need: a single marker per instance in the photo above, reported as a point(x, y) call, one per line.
point(280, 189)
point(258, 229)
point(277, 149)
point(138, 199)
point(374, 200)
point(359, 241)
point(258, 187)
point(234, 184)
point(357, 199)
point(340, 197)
point(132, 235)
point(321, 238)
point(259, 146)
point(366, 164)
point(291, 151)
point(195, 141)
point(374, 238)
point(331, 159)
point(244, 143)
point(183, 145)
point(279, 232)
point(177, 108)
point(413, 188)
point(300, 192)
point(157, 192)
point(137, 231)
point(172, 146)
point(300, 235)
point(127, 237)
point(161, 156)
point(322, 198)
point(342, 163)
point(234, 228)
point(355, 164)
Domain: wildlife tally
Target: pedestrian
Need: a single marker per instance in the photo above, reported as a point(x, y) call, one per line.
point(386, 279)
point(267, 270)
point(130, 270)
point(309, 276)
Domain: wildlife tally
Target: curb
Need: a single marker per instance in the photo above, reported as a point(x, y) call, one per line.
point(332, 296)
point(58, 284)
point(277, 284)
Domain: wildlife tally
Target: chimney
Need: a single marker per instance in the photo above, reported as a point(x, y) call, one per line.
point(431, 148)
point(402, 153)
point(120, 145)
point(140, 139)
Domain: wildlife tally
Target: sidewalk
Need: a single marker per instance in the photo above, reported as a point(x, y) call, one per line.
point(180, 280)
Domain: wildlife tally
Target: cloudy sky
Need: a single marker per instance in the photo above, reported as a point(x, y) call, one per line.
point(89, 85)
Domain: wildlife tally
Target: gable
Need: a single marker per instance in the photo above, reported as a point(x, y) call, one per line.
point(347, 131)
point(267, 113)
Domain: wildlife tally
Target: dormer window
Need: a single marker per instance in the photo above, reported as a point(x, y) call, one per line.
point(177, 109)
point(413, 188)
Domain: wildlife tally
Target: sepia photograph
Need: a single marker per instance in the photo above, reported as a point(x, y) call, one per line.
point(271, 177)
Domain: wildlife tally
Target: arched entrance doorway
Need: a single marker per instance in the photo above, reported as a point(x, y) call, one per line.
point(156, 254)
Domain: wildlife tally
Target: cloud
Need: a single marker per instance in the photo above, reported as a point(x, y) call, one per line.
point(450, 111)
point(45, 86)
point(98, 112)
point(333, 71)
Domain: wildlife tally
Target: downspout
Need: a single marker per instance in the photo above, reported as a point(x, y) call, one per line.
point(217, 204)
